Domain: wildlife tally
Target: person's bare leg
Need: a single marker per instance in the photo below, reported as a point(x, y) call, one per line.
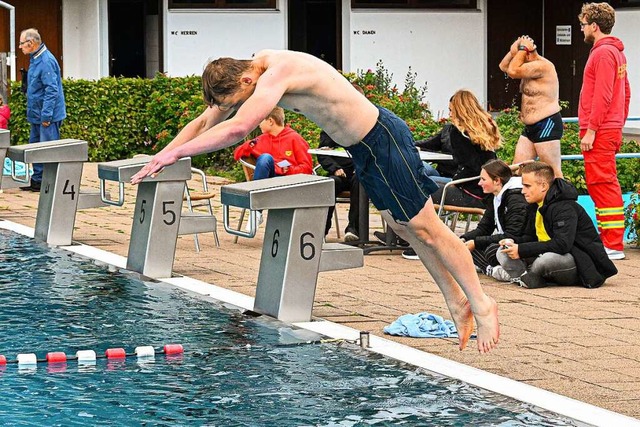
point(524, 150)
point(451, 266)
point(455, 298)
point(549, 152)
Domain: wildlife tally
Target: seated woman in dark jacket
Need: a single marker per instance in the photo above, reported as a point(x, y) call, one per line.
point(474, 139)
point(504, 218)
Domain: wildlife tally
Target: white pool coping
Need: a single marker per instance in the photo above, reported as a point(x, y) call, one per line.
point(562, 405)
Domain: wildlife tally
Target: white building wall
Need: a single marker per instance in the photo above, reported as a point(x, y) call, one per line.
point(194, 37)
point(82, 49)
point(447, 49)
point(627, 30)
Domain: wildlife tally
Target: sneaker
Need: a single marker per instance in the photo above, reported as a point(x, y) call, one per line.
point(530, 281)
point(34, 186)
point(382, 238)
point(614, 254)
point(259, 220)
point(500, 274)
point(351, 236)
point(410, 254)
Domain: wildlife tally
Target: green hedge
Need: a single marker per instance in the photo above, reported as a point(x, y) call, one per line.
point(628, 169)
point(120, 117)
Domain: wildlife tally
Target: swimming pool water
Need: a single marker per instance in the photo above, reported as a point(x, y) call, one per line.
point(236, 370)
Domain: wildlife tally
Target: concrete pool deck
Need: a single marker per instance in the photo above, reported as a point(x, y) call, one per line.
point(580, 343)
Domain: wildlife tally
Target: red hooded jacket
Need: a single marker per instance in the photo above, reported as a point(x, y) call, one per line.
point(605, 93)
point(5, 113)
point(287, 145)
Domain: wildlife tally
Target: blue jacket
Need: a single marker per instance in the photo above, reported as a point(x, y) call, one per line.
point(45, 98)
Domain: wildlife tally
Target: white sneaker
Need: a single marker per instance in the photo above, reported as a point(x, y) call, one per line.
point(350, 237)
point(614, 254)
point(499, 274)
point(259, 220)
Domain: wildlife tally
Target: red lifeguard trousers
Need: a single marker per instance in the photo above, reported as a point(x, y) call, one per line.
point(603, 186)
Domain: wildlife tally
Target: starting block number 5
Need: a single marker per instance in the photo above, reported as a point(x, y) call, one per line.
point(169, 215)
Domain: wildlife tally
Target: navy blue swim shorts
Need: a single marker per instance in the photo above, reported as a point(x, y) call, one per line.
point(548, 129)
point(389, 168)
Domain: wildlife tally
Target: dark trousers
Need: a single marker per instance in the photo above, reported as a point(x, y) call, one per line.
point(353, 186)
point(457, 197)
point(41, 133)
point(486, 257)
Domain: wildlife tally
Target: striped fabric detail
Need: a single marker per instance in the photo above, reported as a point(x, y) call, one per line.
point(406, 163)
point(609, 218)
point(548, 127)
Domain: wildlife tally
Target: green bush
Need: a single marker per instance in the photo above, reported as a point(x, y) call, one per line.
point(573, 170)
point(110, 114)
point(120, 117)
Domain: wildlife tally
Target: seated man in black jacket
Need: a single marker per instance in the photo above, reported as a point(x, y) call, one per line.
point(342, 172)
point(560, 243)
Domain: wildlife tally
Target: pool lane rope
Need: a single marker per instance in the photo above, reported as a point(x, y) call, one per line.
point(89, 356)
point(149, 352)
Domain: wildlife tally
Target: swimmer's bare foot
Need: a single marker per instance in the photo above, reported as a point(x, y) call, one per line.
point(463, 319)
point(488, 327)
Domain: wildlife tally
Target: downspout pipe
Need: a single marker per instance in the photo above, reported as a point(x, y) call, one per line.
point(12, 38)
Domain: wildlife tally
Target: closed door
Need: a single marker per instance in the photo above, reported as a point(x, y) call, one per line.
point(127, 57)
point(315, 28)
point(565, 47)
point(45, 16)
point(506, 21)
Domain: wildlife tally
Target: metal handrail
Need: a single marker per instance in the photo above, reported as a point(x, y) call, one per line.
point(14, 175)
point(575, 119)
point(618, 156)
point(104, 195)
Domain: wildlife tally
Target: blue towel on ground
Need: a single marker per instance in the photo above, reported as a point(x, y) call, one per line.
point(6, 170)
point(422, 325)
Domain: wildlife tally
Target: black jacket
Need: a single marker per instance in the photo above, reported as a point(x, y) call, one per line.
point(571, 231)
point(441, 143)
point(331, 163)
point(469, 158)
point(512, 214)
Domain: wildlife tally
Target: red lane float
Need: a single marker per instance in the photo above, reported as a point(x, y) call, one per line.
point(3, 360)
point(56, 357)
point(173, 349)
point(115, 353)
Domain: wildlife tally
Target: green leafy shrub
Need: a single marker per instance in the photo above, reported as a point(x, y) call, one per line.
point(632, 217)
point(120, 117)
point(110, 114)
point(378, 87)
point(573, 170)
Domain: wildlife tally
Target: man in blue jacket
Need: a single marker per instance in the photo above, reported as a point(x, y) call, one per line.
point(45, 98)
point(560, 245)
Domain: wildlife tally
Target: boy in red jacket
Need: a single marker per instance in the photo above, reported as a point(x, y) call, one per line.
point(280, 150)
point(5, 114)
point(603, 110)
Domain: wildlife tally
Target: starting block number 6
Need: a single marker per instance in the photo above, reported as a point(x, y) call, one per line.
point(307, 249)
